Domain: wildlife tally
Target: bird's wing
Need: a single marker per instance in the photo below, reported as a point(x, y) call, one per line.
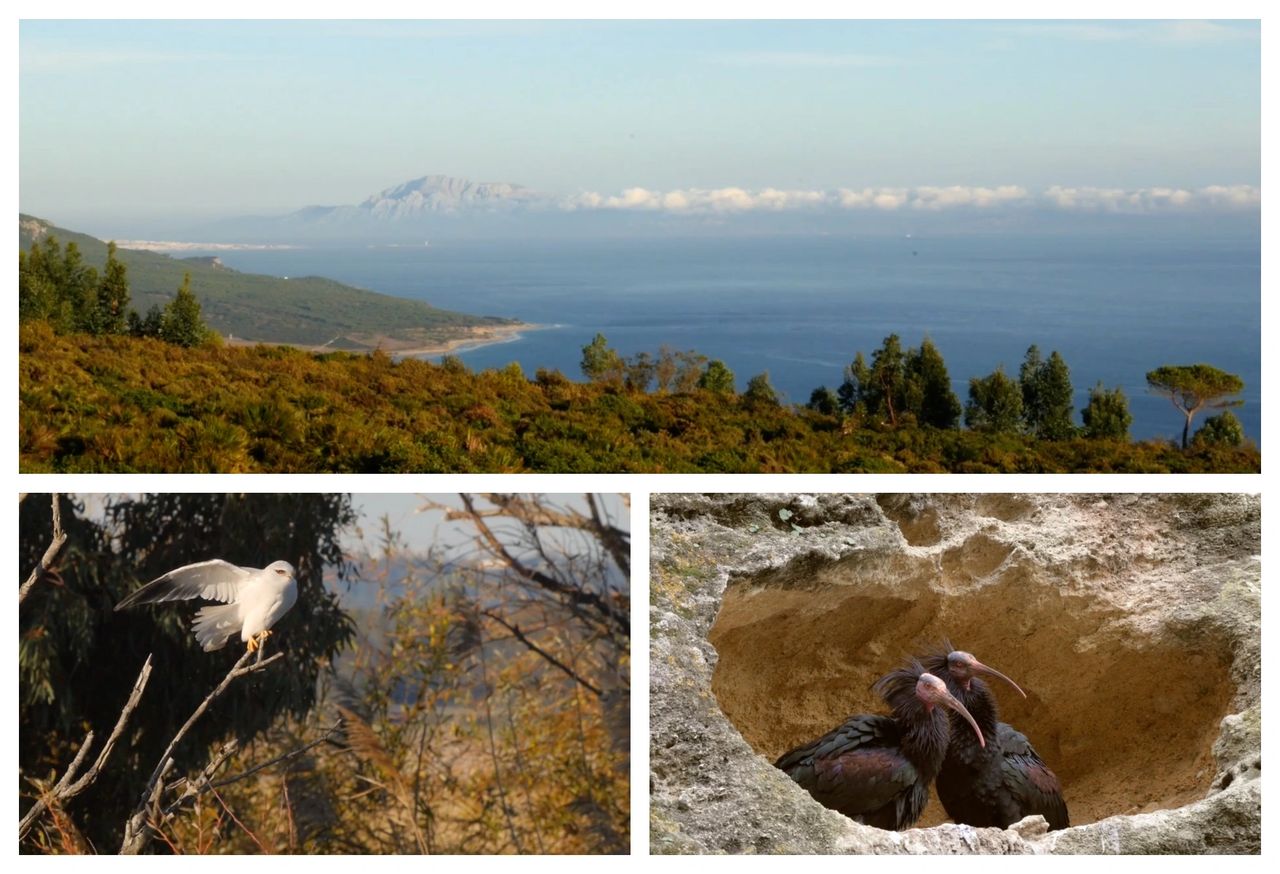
point(1026, 773)
point(856, 768)
point(214, 580)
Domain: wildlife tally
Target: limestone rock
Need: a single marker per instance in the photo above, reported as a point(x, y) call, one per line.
point(1132, 621)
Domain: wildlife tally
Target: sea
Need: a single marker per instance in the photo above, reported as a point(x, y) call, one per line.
point(799, 308)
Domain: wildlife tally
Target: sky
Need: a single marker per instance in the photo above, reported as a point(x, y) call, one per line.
point(220, 119)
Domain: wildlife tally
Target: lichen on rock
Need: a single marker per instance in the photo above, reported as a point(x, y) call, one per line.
point(1132, 621)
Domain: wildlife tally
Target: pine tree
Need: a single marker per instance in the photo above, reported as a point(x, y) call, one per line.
point(928, 388)
point(1048, 404)
point(181, 323)
point(113, 295)
point(760, 390)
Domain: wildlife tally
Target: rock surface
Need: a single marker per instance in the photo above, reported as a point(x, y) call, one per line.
point(1132, 621)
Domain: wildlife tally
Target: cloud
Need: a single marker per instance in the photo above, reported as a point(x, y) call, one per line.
point(928, 198)
point(802, 59)
point(1151, 200)
point(59, 60)
point(1184, 32)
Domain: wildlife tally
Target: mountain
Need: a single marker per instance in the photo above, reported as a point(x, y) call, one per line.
point(424, 198)
point(306, 310)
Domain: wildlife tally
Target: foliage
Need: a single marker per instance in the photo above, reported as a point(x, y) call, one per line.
point(1194, 387)
point(823, 400)
point(78, 658)
point(760, 391)
point(125, 404)
point(1223, 429)
point(306, 310)
point(717, 378)
point(928, 388)
point(898, 382)
point(1047, 396)
point(480, 710)
point(1107, 416)
point(995, 404)
point(180, 322)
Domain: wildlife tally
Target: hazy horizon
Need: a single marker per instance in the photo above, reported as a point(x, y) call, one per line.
point(696, 121)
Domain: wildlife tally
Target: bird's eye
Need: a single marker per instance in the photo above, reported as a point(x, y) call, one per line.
point(280, 572)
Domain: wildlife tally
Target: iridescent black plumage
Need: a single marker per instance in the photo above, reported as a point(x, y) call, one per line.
point(877, 769)
point(1001, 782)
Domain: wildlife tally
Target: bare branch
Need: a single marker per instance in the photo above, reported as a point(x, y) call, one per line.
point(70, 785)
point(137, 833)
point(520, 636)
point(50, 554)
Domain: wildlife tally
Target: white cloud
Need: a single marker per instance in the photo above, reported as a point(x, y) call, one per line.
point(1183, 32)
point(926, 197)
point(803, 59)
point(59, 60)
point(1148, 200)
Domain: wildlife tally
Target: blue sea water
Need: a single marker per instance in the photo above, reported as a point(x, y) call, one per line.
point(800, 308)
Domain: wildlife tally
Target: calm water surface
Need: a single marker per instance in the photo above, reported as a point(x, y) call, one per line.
point(801, 308)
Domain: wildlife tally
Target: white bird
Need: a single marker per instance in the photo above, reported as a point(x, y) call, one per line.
point(252, 600)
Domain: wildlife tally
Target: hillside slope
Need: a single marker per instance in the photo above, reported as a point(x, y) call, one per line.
point(308, 310)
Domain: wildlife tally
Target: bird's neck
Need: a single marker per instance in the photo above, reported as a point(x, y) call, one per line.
point(981, 705)
point(925, 734)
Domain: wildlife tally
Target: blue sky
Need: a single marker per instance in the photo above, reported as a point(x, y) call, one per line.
point(223, 118)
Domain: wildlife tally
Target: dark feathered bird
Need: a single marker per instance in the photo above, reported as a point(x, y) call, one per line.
point(877, 769)
point(1003, 780)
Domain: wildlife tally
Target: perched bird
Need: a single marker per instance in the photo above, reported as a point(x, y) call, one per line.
point(252, 600)
point(877, 769)
point(1002, 781)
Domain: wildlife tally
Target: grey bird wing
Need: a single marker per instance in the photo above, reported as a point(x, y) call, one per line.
point(214, 580)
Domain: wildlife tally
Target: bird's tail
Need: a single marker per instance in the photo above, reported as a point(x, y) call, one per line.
point(214, 625)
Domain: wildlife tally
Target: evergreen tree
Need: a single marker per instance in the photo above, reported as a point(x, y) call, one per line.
point(113, 295)
point(1223, 429)
point(639, 371)
point(928, 388)
point(1194, 387)
point(1107, 416)
point(1047, 396)
point(760, 390)
point(181, 323)
point(717, 378)
point(995, 403)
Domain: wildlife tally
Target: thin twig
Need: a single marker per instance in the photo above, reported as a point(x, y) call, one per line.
point(50, 554)
point(70, 785)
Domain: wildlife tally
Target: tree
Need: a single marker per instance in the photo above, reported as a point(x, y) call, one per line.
point(717, 378)
point(639, 370)
point(760, 390)
point(55, 285)
point(1223, 429)
point(600, 363)
point(1195, 387)
point(995, 404)
point(181, 322)
point(823, 400)
point(78, 658)
point(884, 392)
point(1047, 396)
point(928, 391)
point(853, 391)
point(113, 296)
point(1107, 416)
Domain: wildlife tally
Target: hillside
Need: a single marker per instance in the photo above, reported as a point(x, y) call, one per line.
point(306, 310)
point(124, 404)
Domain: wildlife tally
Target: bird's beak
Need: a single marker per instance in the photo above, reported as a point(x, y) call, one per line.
point(949, 700)
point(980, 668)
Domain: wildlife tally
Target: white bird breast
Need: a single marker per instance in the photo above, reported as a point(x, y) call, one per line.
point(264, 599)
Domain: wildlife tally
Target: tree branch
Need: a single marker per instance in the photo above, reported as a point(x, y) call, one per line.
point(50, 554)
point(520, 636)
point(70, 786)
point(137, 834)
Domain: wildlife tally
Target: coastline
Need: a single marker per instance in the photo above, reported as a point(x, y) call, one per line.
point(475, 337)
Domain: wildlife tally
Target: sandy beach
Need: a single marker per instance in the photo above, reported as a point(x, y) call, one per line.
point(407, 347)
